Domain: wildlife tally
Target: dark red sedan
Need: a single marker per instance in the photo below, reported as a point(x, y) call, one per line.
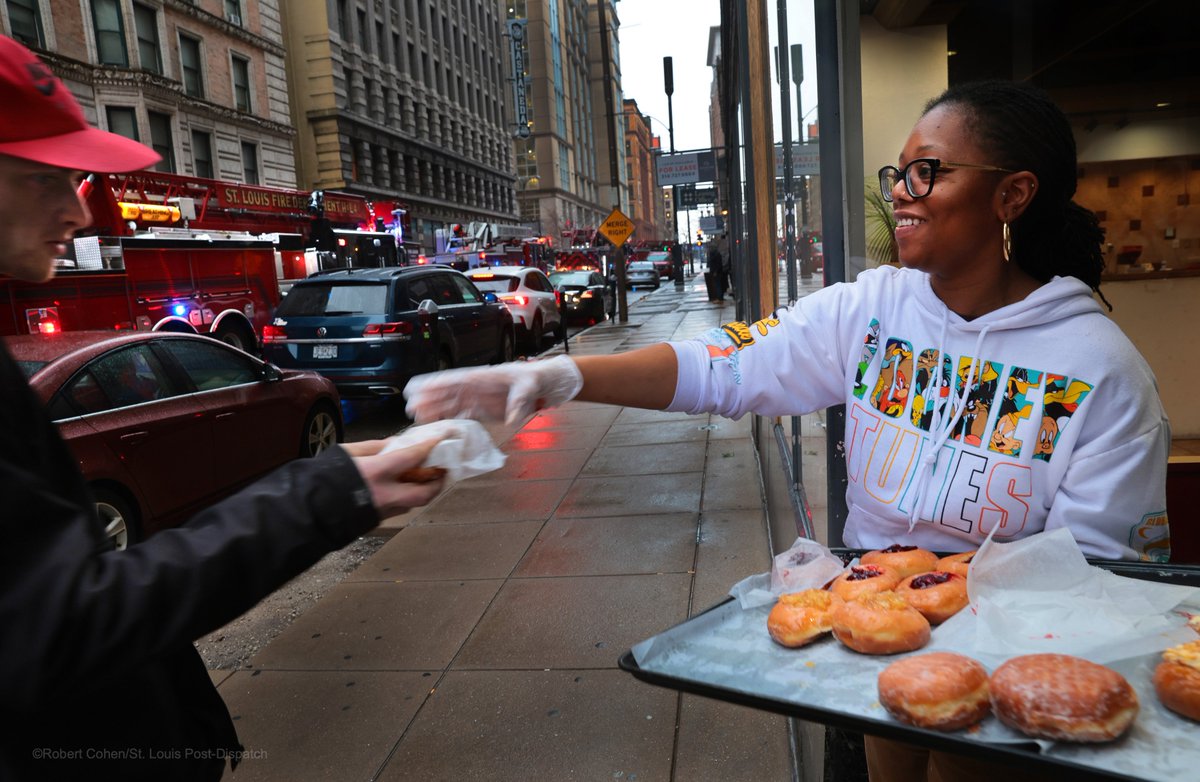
point(164, 424)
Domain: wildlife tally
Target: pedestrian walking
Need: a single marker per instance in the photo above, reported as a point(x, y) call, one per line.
point(100, 678)
point(718, 269)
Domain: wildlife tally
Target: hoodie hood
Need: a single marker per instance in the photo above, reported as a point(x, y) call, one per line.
point(1056, 300)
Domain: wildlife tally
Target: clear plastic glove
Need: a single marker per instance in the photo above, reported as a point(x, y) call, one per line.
point(508, 392)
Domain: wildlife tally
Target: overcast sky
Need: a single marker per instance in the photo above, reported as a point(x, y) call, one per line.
point(653, 29)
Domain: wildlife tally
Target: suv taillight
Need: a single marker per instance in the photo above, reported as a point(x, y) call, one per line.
point(379, 329)
point(271, 333)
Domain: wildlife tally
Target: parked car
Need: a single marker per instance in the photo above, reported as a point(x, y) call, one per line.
point(663, 263)
point(586, 297)
point(642, 273)
point(163, 424)
point(530, 298)
point(371, 330)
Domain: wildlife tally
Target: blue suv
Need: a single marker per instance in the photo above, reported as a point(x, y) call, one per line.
point(371, 330)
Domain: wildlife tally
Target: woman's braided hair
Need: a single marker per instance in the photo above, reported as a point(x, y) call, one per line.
point(1022, 129)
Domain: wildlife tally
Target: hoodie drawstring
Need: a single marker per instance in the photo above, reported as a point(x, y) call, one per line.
point(939, 434)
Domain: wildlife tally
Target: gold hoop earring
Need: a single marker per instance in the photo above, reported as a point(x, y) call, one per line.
point(1007, 244)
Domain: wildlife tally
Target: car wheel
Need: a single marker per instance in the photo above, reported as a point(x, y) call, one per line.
point(235, 336)
point(320, 432)
point(537, 340)
point(119, 518)
point(507, 351)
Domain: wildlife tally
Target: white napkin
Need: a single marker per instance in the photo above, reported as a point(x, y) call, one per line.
point(465, 449)
point(1040, 595)
point(806, 565)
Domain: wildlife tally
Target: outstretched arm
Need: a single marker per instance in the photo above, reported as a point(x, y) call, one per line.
point(640, 378)
point(645, 377)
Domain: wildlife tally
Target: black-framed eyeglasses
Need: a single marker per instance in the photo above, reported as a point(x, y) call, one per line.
point(919, 174)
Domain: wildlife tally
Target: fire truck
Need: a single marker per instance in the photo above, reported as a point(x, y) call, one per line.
point(173, 253)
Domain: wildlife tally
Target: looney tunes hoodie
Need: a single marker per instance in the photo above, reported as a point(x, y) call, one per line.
point(1036, 416)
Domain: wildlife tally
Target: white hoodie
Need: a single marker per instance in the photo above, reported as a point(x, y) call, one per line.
point(1061, 427)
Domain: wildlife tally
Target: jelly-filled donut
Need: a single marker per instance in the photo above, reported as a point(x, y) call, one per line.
point(938, 595)
point(956, 563)
point(799, 618)
point(1064, 698)
point(880, 623)
point(938, 690)
point(1177, 679)
point(864, 579)
point(905, 560)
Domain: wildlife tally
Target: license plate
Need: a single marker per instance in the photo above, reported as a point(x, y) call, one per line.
point(325, 351)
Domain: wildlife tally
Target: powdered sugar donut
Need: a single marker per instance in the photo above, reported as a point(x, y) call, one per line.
point(1064, 698)
point(938, 690)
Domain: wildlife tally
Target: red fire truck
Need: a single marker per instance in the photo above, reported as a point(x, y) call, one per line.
point(167, 252)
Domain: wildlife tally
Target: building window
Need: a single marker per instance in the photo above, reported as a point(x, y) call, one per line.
point(110, 33)
point(361, 18)
point(249, 163)
point(343, 20)
point(123, 121)
point(241, 83)
point(161, 140)
point(233, 11)
point(25, 21)
point(145, 20)
point(202, 157)
point(189, 59)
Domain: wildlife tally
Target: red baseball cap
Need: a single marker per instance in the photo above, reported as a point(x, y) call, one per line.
point(42, 121)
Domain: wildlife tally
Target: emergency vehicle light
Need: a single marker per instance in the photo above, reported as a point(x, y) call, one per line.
point(179, 309)
point(150, 213)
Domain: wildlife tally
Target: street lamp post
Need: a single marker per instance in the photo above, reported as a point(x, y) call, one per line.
point(677, 251)
point(806, 270)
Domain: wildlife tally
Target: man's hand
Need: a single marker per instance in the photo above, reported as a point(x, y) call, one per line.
point(384, 475)
point(509, 392)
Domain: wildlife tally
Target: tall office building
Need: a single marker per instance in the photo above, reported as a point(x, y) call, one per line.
point(202, 82)
point(402, 100)
point(560, 131)
point(645, 201)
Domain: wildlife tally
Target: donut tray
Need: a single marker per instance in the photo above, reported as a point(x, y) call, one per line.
point(726, 654)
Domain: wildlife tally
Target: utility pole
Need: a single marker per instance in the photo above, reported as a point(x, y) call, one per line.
point(785, 118)
point(614, 177)
point(677, 252)
point(797, 77)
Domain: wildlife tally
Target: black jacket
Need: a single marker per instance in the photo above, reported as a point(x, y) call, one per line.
point(99, 678)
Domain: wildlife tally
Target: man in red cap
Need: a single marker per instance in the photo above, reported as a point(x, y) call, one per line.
point(99, 678)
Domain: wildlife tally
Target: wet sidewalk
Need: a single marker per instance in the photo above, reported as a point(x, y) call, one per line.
point(481, 641)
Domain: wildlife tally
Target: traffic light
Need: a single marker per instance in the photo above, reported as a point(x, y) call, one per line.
point(699, 236)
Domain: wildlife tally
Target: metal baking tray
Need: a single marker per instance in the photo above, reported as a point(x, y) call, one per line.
point(707, 642)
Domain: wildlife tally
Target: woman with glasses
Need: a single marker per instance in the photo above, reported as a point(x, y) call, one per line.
point(985, 389)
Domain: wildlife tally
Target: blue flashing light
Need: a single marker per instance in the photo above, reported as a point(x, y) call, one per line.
point(180, 309)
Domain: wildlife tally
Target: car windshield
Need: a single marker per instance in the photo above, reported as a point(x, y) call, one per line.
point(496, 283)
point(330, 298)
point(570, 278)
point(641, 266)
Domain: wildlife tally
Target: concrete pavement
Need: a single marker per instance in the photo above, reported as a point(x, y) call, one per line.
point(481, 641)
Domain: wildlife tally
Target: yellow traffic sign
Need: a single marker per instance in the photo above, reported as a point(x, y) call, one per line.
point(616, 228)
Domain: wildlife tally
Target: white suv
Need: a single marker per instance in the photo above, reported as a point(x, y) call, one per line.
point(529, 296)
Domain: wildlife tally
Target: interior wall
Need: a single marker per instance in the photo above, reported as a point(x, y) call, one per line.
point(1146, 204)
point(902, 70)
point(1158, 317)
